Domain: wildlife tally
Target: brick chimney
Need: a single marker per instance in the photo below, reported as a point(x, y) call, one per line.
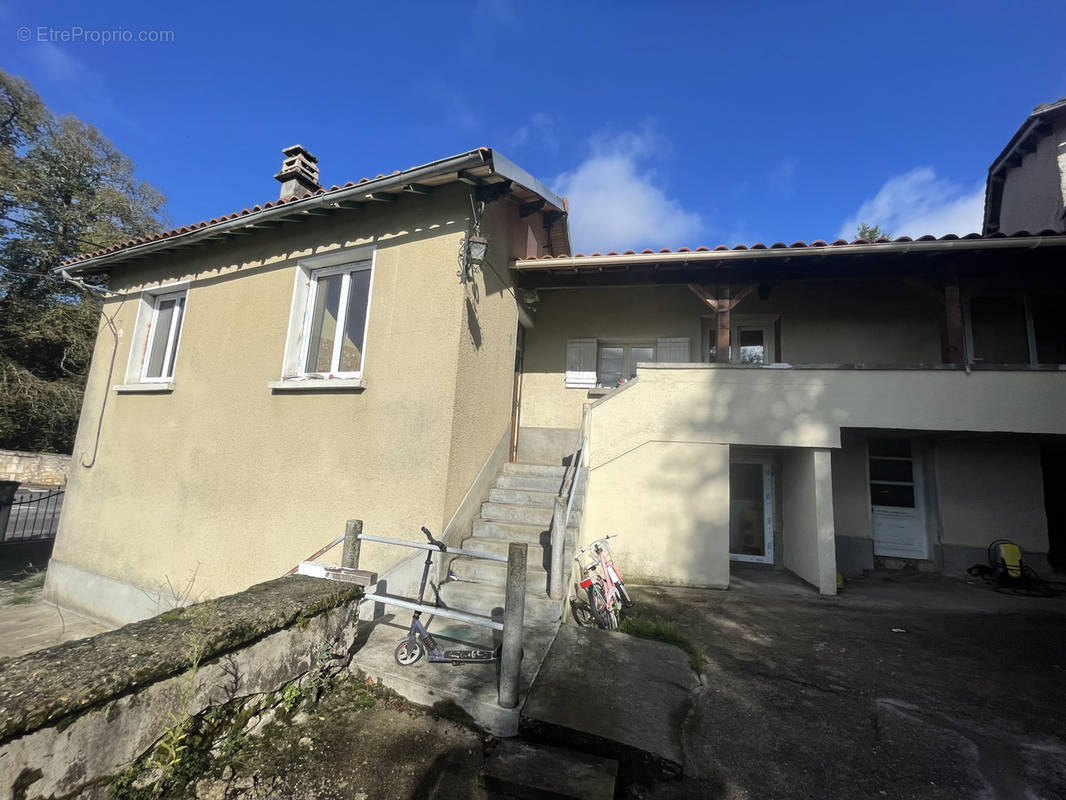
point(299, 172)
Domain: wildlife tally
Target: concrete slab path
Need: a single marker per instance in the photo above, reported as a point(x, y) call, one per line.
point(616, 696)
point(25, 627)
point(474, 687)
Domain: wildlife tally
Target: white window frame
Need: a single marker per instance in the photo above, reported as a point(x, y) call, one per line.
point(767, 464)
point(145, 332)
point(764, 322)
point(967, 324)
point(627, 346)
point(308, 271)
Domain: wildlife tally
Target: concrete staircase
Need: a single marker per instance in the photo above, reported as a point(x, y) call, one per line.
point(519, 509)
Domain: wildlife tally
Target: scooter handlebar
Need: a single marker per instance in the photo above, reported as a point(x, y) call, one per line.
point(440, 545)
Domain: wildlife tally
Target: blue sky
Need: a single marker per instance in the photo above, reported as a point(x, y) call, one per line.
point(666, 124)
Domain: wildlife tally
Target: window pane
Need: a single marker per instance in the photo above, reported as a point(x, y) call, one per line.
point(1050, 327)
point(884, 470)
point(887, 494)
point(352, 346)
point(1000, 334)
point(747, 534)
point(324, 324)
point(899, 448)
point(158, 346)
point(179, 318)
point(611, 365)
point(752, 346)
point(638, 354)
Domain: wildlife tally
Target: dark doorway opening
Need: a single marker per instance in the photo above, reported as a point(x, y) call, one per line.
point(1053, 463)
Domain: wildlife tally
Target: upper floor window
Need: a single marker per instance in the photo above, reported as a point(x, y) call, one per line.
point(1017, 327)
point(330, 312)
point(592, 363)
point(157, 336)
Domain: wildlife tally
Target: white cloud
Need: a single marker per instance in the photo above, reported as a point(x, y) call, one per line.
point(616, 200)
point(918, 202)
point(538, 131)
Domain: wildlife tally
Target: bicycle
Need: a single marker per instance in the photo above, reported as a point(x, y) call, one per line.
point(607, 595)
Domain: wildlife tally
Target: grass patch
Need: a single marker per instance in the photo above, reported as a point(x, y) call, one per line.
point(19, 600)
point(644, 626)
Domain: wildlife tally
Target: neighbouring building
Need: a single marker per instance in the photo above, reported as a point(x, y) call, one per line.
point(343, 353)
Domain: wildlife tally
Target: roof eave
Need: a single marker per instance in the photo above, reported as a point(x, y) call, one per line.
point(499, 164)
point(820, 251)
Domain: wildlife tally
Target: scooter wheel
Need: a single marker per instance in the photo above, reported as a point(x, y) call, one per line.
point(408, 651)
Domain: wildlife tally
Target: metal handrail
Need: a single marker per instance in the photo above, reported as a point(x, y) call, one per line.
point(564, 506)
point(424, 546)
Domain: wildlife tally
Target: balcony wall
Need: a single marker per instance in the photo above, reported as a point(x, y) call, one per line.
point(659, 450)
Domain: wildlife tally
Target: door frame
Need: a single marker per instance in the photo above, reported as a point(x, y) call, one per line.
point(767, 463)
point(920, 512)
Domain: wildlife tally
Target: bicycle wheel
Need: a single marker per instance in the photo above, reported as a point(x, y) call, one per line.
point(601, 612)
point(582, 613)
point(408, 651)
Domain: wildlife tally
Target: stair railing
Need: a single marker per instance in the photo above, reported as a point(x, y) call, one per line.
point(564, 506)
point(514, 603)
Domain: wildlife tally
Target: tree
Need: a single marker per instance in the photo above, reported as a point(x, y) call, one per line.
point(65, 190)
point(871, 233)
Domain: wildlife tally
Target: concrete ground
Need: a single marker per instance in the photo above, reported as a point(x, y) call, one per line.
point(900, 687)
point(27, 621)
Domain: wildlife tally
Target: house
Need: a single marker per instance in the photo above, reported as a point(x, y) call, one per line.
point(813, 407)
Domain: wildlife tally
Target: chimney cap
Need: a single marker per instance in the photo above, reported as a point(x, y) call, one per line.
point(299, 149)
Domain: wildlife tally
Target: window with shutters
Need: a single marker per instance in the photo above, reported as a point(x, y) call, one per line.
point(606, 363)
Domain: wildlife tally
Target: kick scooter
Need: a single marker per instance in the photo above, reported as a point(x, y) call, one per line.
point(419, 642)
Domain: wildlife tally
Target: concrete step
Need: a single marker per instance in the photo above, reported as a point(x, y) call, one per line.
point(536, 483)
point(486, 599)
point(539, 470)
point(527, 515)
point(541, 772)
point(495, 573)
point(516, 531)
point(538, 555)
point(527, 497)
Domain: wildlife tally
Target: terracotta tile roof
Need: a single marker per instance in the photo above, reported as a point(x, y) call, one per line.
point(244, 212)
point(800, 245)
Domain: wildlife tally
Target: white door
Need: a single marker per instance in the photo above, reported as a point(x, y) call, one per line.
point(896, 508)
point(751, 510)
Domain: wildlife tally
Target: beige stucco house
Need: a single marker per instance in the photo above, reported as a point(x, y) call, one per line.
point(813, 407)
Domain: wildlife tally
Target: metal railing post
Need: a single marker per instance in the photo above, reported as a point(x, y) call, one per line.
point(7, 497)
point(350, 555)
point(514, 612)
point(558, 548)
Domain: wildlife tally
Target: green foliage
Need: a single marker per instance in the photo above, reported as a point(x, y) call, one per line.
point(871, 233)
point(649, 627)
point(65, 190)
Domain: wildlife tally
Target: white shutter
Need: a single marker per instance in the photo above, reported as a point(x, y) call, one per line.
point(580, 363)
point(673, 351)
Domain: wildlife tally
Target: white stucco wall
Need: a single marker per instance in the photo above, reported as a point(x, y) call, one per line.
point(669, 504)
point(807, 506)
point(991, 489)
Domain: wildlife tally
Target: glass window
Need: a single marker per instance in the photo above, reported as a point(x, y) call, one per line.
point(338, 308)
point(164, 331)
point(619, 362)
point(891, 473)
point(752, 346)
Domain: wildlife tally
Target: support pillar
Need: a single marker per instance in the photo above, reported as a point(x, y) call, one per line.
point(824, 523)
point(514, 613)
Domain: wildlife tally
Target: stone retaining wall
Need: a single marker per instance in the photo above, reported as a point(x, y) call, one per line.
point(42, 469)
point(73, 718)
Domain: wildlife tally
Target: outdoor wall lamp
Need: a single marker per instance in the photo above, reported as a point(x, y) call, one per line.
point(477, 247)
